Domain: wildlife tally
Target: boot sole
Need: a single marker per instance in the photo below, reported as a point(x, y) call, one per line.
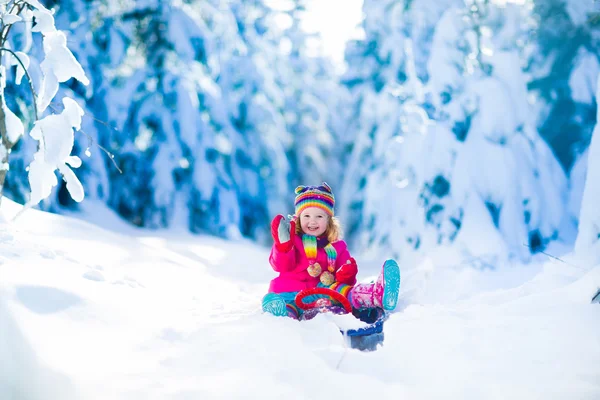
point(274, 304)
point(391, 278)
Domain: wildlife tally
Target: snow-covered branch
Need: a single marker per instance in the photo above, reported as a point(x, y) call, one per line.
point(24, 65)
point(53, 132)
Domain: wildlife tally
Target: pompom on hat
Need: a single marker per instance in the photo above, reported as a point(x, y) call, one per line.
point(314, 196)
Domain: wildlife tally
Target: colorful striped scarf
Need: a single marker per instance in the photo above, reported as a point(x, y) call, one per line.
point(310, 248)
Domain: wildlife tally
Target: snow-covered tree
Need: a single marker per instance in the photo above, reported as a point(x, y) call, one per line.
point(563, 77)
point(87, 144)
point(392, 129)
point(253, 102)
point(193, 100)
point(465, 150)
point(35, 54)
point(387, 71)
point(277, 110)
point(154, 68)
point(91, 144)
point(588, 238)
point(563, 84)
point(504, 162)
point(373, 112)
point(216, 110)
point(312, 99)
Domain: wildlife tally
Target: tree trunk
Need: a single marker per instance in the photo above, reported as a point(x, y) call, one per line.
point(5, 144)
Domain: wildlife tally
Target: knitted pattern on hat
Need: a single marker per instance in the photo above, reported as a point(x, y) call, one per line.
point(314, 196)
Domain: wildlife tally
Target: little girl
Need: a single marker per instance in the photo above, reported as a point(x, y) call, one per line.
point(308, 252)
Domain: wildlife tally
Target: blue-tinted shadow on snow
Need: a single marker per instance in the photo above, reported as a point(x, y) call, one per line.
point(23, 375)
point(46, 300)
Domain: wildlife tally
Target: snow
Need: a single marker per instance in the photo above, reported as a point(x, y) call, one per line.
point(54, 132)
point(577, 184)
point(59, 65)
point(24, 59)
point(333, 37)
point(584, 76)
point(14, 126)
point(579, 11)
point(587, 244)
point(100, 309)
point(39, 6)
point(93, 308)
point(44, 20)
point(55, 135)
point(9, 19)
point(446, 76)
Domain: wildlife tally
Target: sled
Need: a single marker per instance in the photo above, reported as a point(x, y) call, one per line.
point(365, 338)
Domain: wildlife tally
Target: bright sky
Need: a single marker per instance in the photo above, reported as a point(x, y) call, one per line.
point(336, 21)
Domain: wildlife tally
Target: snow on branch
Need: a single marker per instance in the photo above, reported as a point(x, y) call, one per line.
point(55, 136)
point(54, 132)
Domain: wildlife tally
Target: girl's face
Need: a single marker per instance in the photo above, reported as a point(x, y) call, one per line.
point(313, 221)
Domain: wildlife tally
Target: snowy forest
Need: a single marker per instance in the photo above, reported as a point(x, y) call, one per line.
point(153, 153)
point(464, 122)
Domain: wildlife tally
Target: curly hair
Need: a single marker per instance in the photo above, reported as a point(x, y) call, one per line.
point(334, 230)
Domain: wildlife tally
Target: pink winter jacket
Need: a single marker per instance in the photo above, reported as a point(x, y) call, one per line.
point(293, 276)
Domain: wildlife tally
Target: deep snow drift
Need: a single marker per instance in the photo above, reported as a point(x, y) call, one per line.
point(89, 313)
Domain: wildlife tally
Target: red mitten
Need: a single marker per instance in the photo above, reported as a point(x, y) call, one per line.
point(347, 272)
point(283, 232)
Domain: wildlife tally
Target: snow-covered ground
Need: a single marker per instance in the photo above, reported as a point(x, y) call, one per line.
point(100, 310)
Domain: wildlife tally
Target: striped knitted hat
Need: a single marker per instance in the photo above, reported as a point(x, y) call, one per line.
point(314, 196)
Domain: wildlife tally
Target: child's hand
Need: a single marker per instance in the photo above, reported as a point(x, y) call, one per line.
point(347, 272)
point(283, 232)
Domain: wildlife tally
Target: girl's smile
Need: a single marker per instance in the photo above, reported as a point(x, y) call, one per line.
point(313, 221)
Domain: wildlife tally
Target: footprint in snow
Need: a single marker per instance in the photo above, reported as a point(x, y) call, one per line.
point(48, 254)
point(94, 275)
point(130, 282)
point(6, 237)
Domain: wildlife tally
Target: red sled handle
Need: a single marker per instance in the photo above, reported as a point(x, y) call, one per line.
point(337, 296)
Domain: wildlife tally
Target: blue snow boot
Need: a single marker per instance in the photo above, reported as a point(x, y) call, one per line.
point(391, 284)
point(274, 304)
